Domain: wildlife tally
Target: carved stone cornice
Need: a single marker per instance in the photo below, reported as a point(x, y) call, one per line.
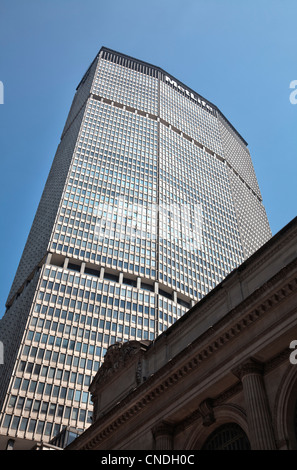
point(177, 369)
point(279, 241)
point(253, 313)
point(277, 360)
point(227, 394)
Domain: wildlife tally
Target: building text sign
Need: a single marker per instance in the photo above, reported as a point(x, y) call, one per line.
point(190, 94)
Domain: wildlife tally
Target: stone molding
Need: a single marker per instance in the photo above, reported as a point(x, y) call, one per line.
point(251, 366)
point(205, 353)
point(206, 411)
point(164, 428)
point(118, 356)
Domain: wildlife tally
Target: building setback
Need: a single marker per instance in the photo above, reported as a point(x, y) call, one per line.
point(150, 202)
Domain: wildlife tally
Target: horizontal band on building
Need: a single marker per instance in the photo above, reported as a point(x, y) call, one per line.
point(174, 129)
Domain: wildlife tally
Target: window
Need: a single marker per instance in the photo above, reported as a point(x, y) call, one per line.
point(15, 422)
point(40, 427)
point(12, 401)
point(23, 425)
point(32, 425)
point(227, 437)
point(48, 429)
point(6, 421)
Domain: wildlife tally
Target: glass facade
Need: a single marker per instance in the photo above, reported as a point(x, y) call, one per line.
point(146, 209)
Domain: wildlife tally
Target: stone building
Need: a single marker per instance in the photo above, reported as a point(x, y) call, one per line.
point(222, 377)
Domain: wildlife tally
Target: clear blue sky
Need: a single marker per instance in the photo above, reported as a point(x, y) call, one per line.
point(240, 55)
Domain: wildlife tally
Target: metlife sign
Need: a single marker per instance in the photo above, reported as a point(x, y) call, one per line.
point(190, 95)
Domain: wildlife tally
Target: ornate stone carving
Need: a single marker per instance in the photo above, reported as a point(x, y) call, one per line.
point(139, 373)
point(206, 411)
point(117, 357)
point(162, 429)
point(251, 366)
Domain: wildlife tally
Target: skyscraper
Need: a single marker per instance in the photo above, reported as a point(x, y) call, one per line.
point(151, 201)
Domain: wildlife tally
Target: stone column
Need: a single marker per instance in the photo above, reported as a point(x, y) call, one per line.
point(163, 435)
point(258, 413)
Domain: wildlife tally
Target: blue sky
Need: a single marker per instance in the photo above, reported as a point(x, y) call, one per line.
point(240, 55)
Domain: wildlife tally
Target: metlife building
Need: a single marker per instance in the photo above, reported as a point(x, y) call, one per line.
point(151, 201)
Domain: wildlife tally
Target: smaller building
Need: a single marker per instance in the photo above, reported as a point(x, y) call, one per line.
point(222, 377)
